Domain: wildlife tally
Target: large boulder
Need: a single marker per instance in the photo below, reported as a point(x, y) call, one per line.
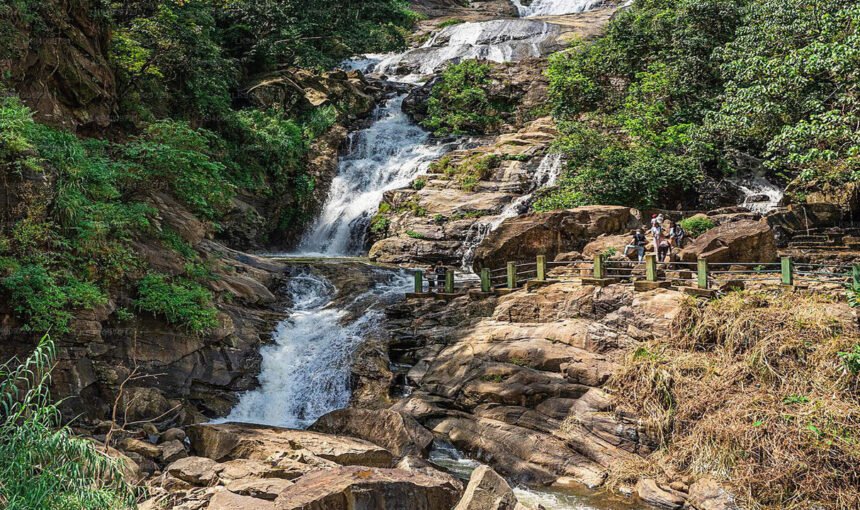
point(650, 492)
point(708, 494)
point(524, 237)
point(348, 488)
point(487, 491)
point(739, 241)
point(259, 442)
point(398, 433)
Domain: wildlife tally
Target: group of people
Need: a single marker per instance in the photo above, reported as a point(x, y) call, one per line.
point(664, 241)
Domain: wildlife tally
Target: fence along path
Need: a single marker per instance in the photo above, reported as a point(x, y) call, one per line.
point(699, 278)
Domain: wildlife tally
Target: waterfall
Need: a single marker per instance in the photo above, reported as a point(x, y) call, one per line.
point(545, 175)
point(385, 156)
point(498, 41)
point(760, 195)
point(555, 7)
point(306, 372)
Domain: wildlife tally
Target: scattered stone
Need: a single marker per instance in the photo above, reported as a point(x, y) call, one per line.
point(708, 494)
point(173, 434)
point(487, 491)
point(195, 470)
point(140, 447)
point(172, 451)
point(226, 500)
point(651, 493)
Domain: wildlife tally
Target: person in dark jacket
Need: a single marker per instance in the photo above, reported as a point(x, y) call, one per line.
point(638, 244)
point(440, 271)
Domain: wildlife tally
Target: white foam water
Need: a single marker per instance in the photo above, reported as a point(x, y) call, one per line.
point(545, 175)
point(306, 372)
point(507, 40)
point(385, 156)
point(760, 195)
point(554, 7)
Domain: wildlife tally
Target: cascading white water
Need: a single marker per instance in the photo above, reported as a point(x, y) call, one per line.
point(545, 175)
point(387, 155)
point(760, 195)
point(507, 40)
point(554, 7)
point(306, 372)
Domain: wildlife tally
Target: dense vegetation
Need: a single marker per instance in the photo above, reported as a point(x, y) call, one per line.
point(183, 128)
point(42, 465)
point(680, 89)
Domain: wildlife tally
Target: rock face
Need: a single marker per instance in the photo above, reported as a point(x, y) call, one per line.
point(651, 493)
point(398, 433)
point(347, 488)
point(516, 382)
point(525, 237)
point(739, 241)
point(707, 494)
point(65, 78)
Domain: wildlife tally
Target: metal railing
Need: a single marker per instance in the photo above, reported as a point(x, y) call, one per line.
point(701, 274)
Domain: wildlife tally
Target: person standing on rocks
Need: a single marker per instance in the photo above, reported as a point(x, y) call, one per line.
point(430, 273)
point(677, 235)
point(657, 234)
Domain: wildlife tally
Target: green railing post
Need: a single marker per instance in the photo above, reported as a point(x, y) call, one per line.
point(856, 276)
point(703, 273)
point(485, 280)
point(419, 282)
point(599, 269)
point(512, 275)
point(787, 270)
point(651, 268)
point(449, 281)
point(541, 268)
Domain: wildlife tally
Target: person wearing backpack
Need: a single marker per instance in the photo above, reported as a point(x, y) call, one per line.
point(638, 244)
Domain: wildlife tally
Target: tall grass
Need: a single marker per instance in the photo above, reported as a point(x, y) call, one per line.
point(42, 465)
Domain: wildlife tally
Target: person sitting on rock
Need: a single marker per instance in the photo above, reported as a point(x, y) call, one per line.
point(638, 244)
point(430, 273)
point(677, 235)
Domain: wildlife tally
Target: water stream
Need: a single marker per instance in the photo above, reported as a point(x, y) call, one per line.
point(554, 7)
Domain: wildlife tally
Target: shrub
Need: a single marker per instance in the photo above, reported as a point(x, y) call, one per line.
point(697, 225)
point(415, 235)
point(460, 104)
point(418, 184)
point(851, 360)
point(42, 465)
point(379, 224)
point(451, 22)
point(179, 301)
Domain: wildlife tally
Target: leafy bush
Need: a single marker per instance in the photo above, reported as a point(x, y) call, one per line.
point(415, 235)
point(180, 301)
point(697, 225)
point(42, 465)
point(460, 104)
point(851, 360)
point(379, 224)
point(418, 184)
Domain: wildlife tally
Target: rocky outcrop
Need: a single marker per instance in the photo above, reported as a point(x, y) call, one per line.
point(739, 241)
point(65, 78)
point(518, 382)
point(525, 237)
point(650, 492)
point(372, 489)
point(398, 433)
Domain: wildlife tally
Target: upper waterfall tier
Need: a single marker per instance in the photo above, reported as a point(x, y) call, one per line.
point(555, 7)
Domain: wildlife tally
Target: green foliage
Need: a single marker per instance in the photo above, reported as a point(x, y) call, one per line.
point(697, 225)
point(418, 184)
point(680, 88)
point(451, 22)
point(42, 465)
point(379, 224)
point(851, 360)
point(180, 301)
point(460, 104)
point(415, 235)
point(469, 172)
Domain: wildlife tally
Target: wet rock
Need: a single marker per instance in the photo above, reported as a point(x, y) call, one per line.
point(345, 488)
point(398, 433)
point(740, 241)
point(708, 494)
point(651, 493)
point(487, 491)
